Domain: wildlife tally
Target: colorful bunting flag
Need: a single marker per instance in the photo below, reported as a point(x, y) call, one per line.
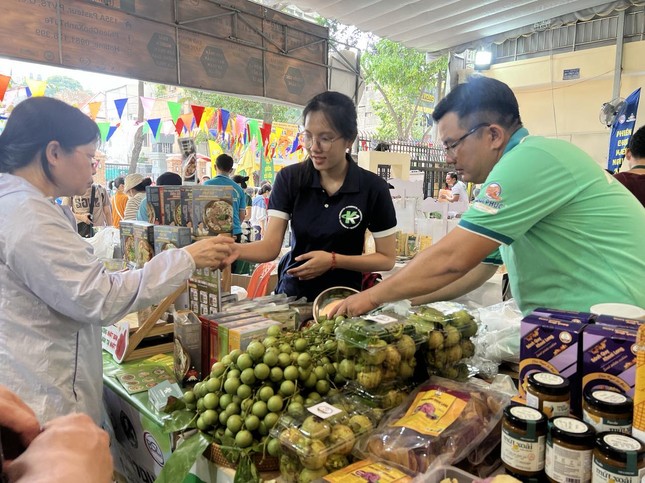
point(154, 126)
point(4, 83)
point(188, 121)
point(224, 116)
point(148, 104)
point(36, 87)
point(94, 107)
point(179, 126)
point(104, 129)
point(120, 105)
point(175, 110)
point(111, 131)
point(198, 111)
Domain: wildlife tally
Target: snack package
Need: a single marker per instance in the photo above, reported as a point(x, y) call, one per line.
point(440, 423)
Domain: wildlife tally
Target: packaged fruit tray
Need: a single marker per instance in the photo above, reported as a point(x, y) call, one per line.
point(448, 328)
point(386, 396)
point(320, 440)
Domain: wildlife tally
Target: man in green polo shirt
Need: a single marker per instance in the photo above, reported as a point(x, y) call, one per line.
point(570, 235)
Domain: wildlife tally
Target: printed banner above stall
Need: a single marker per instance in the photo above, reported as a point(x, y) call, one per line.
point(621, 131)
point(240, 47)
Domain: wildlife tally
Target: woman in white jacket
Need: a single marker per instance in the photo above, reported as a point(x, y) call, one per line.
point(55, 295)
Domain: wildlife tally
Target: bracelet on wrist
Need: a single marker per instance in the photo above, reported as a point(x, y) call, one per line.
point(333, 260)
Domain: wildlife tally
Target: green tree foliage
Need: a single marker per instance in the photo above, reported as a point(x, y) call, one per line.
point(401, 75)
point(59, 83)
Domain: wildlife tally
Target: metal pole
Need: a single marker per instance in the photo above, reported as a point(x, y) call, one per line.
point(618, 65)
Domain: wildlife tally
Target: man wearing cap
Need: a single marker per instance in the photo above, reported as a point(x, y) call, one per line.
point(135, 188)
point(569, 233)
point(224, 167)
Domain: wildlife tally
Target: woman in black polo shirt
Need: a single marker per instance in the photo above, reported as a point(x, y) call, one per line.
point(331, 202)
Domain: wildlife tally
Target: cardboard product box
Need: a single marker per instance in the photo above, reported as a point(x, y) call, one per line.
point(169, 237)
point(172, 206)
point(186, 202)
point(205, 321)
point(240, 337)
point(220, 333)
point(609, 358)
point(551, 345)
point(187, 347)
point(618, 321)
point(582, 317)
point(204, 297)
point(144, 236)
point(126, 231)
point(154, 199)
point(212, 210)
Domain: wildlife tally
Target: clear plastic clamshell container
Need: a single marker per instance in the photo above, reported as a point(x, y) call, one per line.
point(386, 396)
point(320, 440)
point(377, 348)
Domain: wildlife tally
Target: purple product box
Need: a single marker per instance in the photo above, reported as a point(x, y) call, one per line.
point(618, 321)
point(609, 358)
point(551, 345)
point(582, 317)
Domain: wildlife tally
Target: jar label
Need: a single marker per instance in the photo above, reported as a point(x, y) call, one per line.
point(521, 453)
point(622, 442)
point(567, 465)
point(602, 472)
point(611, 397)
point(601, 424)
point(527, 414)
point(553, 409)
point(548, 378)
point(570, 425)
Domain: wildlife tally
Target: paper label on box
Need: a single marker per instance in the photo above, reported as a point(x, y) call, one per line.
point(324, 410)
point(381, 319)
point(433, 411)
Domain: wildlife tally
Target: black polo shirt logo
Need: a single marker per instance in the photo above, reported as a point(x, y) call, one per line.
point(350, 217)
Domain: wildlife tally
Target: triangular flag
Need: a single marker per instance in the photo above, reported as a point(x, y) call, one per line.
point(224, 115)
point(179, 126)
point(94, 108)
point(104, 128)
point(175, 110)
point(154, 126)
point(198, 111)
point(207, 119)
point(111, 131)
point(4, 83)
point(167, 127)
point(148, 104)
point(37, 87)
point(240, 126)
point(213, 132)
point(120, 105)
point(188, 121)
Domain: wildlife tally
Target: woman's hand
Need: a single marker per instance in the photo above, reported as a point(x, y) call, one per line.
point(315, 264)
point(216, 252)
point(16, 416)
point(354, 305)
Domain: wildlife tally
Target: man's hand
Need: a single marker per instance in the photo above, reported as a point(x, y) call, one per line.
point(315, 264)
point(16, 416)
point(354, 305)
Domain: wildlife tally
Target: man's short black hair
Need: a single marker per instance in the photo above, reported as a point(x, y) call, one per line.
point(480, 100)
point(637, 143)
point(224, 162)
point(169, 179)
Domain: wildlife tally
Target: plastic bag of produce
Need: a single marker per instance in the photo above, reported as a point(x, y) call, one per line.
point(440, 423)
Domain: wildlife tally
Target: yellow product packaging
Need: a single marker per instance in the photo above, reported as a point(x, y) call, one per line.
point(368, 470)
point(638, 425)
point(425, 241)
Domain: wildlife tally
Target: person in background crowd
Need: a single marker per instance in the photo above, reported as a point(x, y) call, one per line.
point(135, 187)
point(259, 214)
point(248, 201)
point(265, 183)
point(570, 236)
point(205, 178)
point(330, 202)
point(224, 167)
point(101, 210)
point(634, 178)
point(165, 179)
point(119, 201)
point(458, 197)
point(56, 294)
point(68, 448)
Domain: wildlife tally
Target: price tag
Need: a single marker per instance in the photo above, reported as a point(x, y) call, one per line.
point(324, 410)
point(381, 319)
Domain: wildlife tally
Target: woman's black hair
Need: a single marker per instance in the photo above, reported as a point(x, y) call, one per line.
point(340, 112)
point(141, 187)
point(241, 180)
point(37, 121)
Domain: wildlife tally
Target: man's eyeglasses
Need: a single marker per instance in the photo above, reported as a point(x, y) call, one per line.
point(450, 148)
point(324, 142)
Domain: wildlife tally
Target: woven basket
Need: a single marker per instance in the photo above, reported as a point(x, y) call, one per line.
point(262, 462)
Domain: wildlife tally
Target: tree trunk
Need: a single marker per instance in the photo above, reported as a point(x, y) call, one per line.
point(137, 142)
